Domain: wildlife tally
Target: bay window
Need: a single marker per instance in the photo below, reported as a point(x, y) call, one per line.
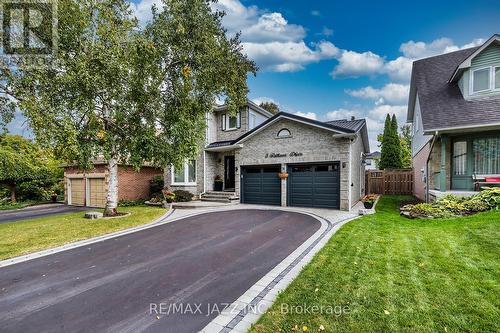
point(186, 175)
point(486, 156)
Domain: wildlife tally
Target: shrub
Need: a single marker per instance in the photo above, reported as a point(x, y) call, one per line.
point(155, 186)
point(425, 210)
point(451, 205)
point(183, 196)
point(490, 196)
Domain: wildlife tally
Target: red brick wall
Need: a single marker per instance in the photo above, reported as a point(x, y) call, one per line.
point(132, 185)
point(419, 161)
point(135, 185)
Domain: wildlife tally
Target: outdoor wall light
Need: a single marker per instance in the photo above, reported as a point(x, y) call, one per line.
point(343, 165)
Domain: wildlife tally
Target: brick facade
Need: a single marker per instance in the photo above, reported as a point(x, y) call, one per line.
point(132, 184)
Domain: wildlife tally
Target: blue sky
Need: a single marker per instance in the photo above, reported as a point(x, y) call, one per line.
point(333, 59)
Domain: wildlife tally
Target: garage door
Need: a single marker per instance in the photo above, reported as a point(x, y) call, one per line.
point(261, 185)
point(97, 194)
point(314, 185)
point(76, 191)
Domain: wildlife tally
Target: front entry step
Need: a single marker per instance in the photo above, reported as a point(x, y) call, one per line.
point(215, 196)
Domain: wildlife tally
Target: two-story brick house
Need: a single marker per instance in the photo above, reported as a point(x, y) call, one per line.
point(323, 161)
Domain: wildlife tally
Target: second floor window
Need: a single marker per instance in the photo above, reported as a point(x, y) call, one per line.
point(481, 80)
point(230, 122)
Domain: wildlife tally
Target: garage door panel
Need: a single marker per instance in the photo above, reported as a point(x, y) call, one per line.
point(97, 193)
point(261, 185)
point(314, 185)
point(77, 191)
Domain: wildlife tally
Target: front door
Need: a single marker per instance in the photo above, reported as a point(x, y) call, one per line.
point(229, 173)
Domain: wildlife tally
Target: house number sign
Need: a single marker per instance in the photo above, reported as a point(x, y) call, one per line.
point(277, 155)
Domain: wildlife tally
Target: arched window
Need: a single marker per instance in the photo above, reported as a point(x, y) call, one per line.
point(284, 133)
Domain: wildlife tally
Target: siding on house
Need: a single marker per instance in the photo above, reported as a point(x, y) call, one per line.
point(357, 170)
point(419, 139)
point(488, 57)
point(419, 161)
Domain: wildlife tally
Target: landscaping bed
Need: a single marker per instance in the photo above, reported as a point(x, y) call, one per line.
point(387, 273)
point(27, 236)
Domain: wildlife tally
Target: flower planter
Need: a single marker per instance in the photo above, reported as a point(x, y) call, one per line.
point(283, 175)
point(368, 205)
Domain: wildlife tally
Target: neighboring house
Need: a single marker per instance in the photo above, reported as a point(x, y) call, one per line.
point(454, 107)
point(324, 160)
point(89, 187)
point(372, 160)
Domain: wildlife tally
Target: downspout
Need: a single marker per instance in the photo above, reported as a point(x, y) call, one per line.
point(350, 174)
point(427, 166)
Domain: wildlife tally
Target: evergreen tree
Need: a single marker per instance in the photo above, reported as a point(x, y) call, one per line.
point(398, 162)
point(391, 146)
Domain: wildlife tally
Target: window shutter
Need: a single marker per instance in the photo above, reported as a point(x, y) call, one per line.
point(223, 119)
point(238, 120)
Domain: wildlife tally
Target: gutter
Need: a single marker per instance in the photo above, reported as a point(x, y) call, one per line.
point(427, 166)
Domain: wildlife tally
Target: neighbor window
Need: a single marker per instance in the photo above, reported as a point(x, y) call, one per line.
point(186, 174)
point(460, 157)
point(481, 80)
point(486, 156)
point(252, 120)
point(497, 77)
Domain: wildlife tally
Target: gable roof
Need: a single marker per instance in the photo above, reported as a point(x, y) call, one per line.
point(251, 105)
point(342, 127)
point(466, 63)
point(442, 105)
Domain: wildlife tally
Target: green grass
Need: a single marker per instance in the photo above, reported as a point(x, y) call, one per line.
point(23, 237)
point(400, 275)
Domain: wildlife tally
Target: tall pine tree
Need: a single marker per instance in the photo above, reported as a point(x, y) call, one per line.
point(391, 146)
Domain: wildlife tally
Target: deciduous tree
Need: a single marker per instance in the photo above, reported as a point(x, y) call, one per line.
point(130, 94)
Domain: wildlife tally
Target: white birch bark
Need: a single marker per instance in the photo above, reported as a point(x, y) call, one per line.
point(112, 195)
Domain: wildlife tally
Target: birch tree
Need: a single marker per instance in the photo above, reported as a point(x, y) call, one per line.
point(129, 94)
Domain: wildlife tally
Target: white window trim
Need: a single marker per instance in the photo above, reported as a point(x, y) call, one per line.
point(227, 120)
point(186, 175)
point(490, 83)
point(493, 82)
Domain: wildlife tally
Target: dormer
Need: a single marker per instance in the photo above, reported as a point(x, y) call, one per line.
point(478, 76)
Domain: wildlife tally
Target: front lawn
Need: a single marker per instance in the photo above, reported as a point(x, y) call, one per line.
point(392, 274)
point(27, 236)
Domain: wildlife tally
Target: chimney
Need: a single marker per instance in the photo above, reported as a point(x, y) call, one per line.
point(352, 117)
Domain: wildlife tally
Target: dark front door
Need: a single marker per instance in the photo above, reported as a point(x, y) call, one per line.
point(261, 185)
point(229, 172)
point(312, 185)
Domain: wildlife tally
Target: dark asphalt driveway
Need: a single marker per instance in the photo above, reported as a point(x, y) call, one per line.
point(37, 211)
point(109, 286)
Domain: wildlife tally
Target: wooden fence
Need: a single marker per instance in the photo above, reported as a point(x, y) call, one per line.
point(398, 181)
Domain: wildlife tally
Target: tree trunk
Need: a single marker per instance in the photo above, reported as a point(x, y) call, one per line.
point(12, 189)
point(112, 195)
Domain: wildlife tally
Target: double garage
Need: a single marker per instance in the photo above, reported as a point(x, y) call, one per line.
point(308, 185)
point(86, 191)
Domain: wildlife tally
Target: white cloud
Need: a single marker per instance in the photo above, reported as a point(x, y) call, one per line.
point(327, 32)
point(310, 115)
point(264, 99)
point(288, 56)
point(272, 27)
point(354, 64)
point(315, 13)
point(142, 10)
point(392, 93)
